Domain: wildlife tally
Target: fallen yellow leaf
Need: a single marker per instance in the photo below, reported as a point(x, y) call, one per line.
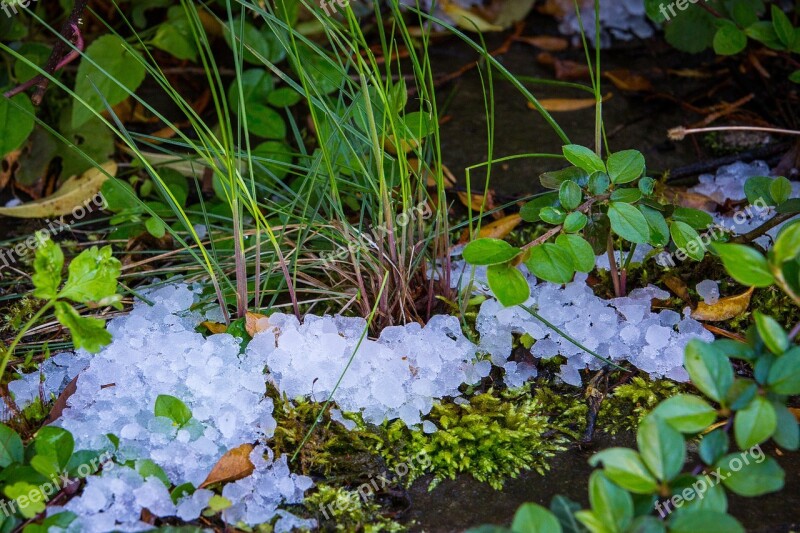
point(214, 327)
point(467, 19)
point(500, 228)
point(567, 104)
point(255, 323)
point(233, 465)
point(75, 192)
point(724, 309)
point(626, 80)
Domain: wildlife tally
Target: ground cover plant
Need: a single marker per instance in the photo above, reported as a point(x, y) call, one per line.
point(284, 310)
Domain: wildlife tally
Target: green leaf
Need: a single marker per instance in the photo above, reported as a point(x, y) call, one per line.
point(784, 374)
point(704, 521)
point(745, 265)
point(508, 284)
point(647, 185)
point(661, 446)
point(794, 77)
point(709, 369)
point(551, 262)
point(148, 468)
point(713, 446)
point(787, 432)
point(175, 36)
point(686, 413)
point(687, 240)
point(172, 408)
point(54, 442)
point(780, 189)
point(416, 126)
point(87, 333)
point(532, 518)
point(744, 13)
point(787, 244)
point(570, 195)
point(93, 84)
point(575, 222)
point(751, 476)
point(552, 215)
point(772, 333)
point(625, 166)
point(275, 157)
point(583, 258)
point(258, 46)
point(693, 31)
point(729, 40)
point(598, 183)
point(16, 122)
point(92, 276)
point(25, 493)
point(757, 190)
point(628, 196)
point(564, 509)
point(783, 26)
point(611, 504)
point(155, 227)
point(11, 449)
point(530, 212)
point(555, 178)
point(764, 32)
point(592, 523)
point(583, 158)
point(694, 217)
point(265, 122)
point(283, 97)
point(628, 222)
point(47, 269)
point(741, 393)
point(755, 423)
point(624, 467)
point(659, 231)
point(489, 252)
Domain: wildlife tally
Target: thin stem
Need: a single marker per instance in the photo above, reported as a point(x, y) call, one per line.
point(795, 331)
point(21, 334)
point(537, 316)
point(583, 208)
point(612, 261)
point(678, 134)
point(762, 229)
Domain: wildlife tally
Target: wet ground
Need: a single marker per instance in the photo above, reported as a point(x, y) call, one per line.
point(463, 503)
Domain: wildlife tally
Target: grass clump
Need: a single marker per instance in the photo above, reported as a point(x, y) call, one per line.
point(340, 509)
point(493, 437)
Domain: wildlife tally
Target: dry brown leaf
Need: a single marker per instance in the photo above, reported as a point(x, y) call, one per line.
point(546, 42)
point(214, 327)
point(75, 192)
point(682, 197)
point(570, 70)
point(678, 287)
point(690, 73)
point(567, 104)
point(233, 465)
point(796, 412)
point(7, 167)
point(626, 80)
point(500, 228)
point(61, 401)
point(256, 323)
point(725, 333)
point(480, 203)
point(724, 309)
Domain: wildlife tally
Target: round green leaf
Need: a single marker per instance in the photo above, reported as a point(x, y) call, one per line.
point(772, 333)
point(583, 258)
point(54, 442)
point(530, 212)
point(11, 450)
point(704, 521)
point(551, 263)
point(283, 97)
point(552, 215)
point(687, 240)
point(172, 408)
point(155, 227)
point(694, 217)
point(625, 166)
point(532, 518)
point(16, 122)
point(686, 413)
point(662, 447)
point(508, 284)
point(570, 195)
point(624, 467)
point(710, 370)
point(647, 185)
point(575, 222)
point(628, 196)
point(780, 189)
point(659, 231)
point(599, 183)
point(583, 158)
point(784, 374)
point(755, 423)
point(628, 222)
point(612, 505)
point(713, 446)
point(745, 265)
point(729, 39)
point(787, 245)
point(489, 252)
point(751, 475)
point(787, 433)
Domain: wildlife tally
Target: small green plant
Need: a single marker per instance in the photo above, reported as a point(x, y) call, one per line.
point(92, 281)
point(32, 475)
point(648, 489)
point(727, 26)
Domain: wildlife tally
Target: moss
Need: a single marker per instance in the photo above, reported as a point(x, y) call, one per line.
point(493, 437)
point(628, 404)
point(773, 302)
point(339, 509)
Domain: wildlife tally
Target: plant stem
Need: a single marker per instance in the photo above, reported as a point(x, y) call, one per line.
point(537, 316)
point(585, 206)
point(21, 334)
point(612, 261)
point(762, 229)
point(678, 134)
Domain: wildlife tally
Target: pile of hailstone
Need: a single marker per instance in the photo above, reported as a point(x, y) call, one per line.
point(155, 351)
point(620, 19)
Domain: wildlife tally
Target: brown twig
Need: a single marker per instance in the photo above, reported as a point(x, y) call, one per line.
point(762, 229)
point(553, 231)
